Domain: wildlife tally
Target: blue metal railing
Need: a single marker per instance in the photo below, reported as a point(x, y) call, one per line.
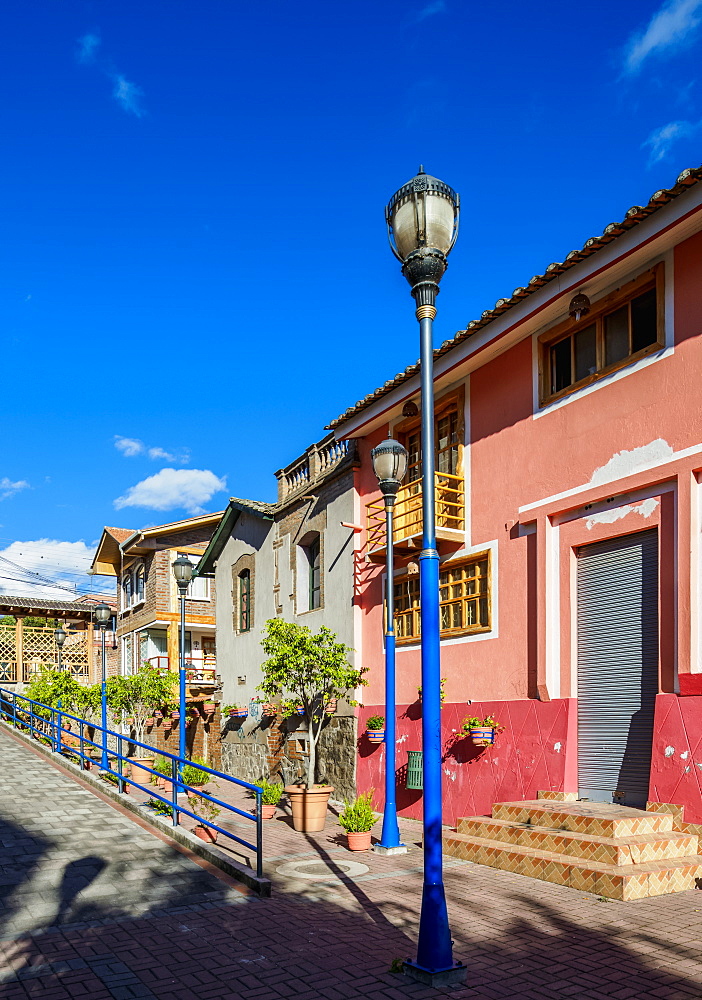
point(49, 722)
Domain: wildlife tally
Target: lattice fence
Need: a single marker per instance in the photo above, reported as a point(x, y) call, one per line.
point(39, 650)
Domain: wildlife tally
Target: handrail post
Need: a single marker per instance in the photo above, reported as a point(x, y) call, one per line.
point(59, 716)
point(120, 765)
point(175, 767)
point(14, 710)
point(81, 744)
point(259, 836)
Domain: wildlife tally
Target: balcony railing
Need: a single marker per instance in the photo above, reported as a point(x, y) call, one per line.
point(200, 669)
point(407, 524)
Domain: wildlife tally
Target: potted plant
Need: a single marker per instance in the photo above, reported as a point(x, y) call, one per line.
point(375, 728)
point(208, 811)
point(481, 731)
point(235, 711)
point(358, 820)
point(268, 708)
point(442, 693)
point(270, 798)
point(175, 714)
point(191, 716)
point(194, 775)
point(158, 714)
point(165, 773)
point(330, 707)
point(310, 669)
point(209, 708)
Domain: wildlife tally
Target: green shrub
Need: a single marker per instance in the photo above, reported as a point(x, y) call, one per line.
point(359, 817)
point(375, 722)
point(272, 792)
point(192, 775)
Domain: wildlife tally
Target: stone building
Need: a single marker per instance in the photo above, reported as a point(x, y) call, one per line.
point(294, 559)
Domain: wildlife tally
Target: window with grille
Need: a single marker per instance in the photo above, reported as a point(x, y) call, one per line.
point(464, 600)
point(244, 600)
point(619, 329)
point(313, 553)
point(139, 578)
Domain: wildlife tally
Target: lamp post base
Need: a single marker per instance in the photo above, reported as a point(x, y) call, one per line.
point(379, 849)
point(435, 977)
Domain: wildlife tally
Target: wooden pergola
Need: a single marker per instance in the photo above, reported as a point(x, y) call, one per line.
point(23, 651)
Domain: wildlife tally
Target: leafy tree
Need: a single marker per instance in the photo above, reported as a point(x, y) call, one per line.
point(51, 686)
point(308, 670)
point(139, 695)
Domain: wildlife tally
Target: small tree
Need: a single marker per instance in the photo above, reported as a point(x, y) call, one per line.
point(308, 670)
point(139, 695)
point(53, 686)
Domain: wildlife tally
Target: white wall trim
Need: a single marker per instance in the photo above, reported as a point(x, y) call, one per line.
point(552, 610)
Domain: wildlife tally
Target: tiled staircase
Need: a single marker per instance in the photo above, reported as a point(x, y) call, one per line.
point(614, 851)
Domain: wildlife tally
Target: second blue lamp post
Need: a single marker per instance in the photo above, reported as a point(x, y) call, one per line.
point(183, 572)
point(390, 465)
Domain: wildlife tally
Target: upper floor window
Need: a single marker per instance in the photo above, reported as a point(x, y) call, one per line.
point(199, 587)
point(139, 579)
point(621, 328)
point(464, 600)
point(244, 623)
point(127, 591)
point(446, 443)
point(314, 578)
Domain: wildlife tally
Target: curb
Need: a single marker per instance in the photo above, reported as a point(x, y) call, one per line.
point(240, 872)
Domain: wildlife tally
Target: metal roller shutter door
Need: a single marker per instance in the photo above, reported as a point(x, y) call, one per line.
point(617, 603)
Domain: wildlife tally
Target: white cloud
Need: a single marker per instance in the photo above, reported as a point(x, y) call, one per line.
point(87, 47)
point(435, 7)
point(171, 489)
point(671, 26)
point(64, 562)
point(128, 95)
point(8, 488)
point(128, 446)
point(662, 139)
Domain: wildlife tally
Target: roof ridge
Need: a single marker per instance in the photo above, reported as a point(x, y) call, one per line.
point(633, 216)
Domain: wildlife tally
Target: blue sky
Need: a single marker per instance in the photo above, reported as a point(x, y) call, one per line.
point(194, 274)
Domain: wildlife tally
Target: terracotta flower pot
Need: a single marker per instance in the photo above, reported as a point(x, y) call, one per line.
point(149, 723)
point(167, 725)
point(359, 841)
point(376, 735)
point(204, 833)
point(209, 707)
point(158, 715)
point(175, 715)
point(267, 811)
point(309, 806)
point(268, 709)
point(138, 765)
point(482, 736)
point(330, 706)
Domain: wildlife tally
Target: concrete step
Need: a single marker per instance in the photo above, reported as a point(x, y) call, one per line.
point(593, 818)
point(623, 882)
point(633, 849)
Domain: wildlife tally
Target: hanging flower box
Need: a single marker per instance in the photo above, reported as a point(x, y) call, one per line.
point(158, 714)
point(268, 708)
point(175, 714)
point(330, 707)
point(209, 708)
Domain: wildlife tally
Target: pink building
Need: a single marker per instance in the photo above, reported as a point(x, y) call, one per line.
point(569, 516)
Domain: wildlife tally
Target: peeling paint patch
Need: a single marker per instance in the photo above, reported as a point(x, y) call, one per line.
point(699, 765)
point(684, 756)
point(669, 751)
point(557, 747)
point(645, 509)
point(450, 774)
point(687, 769)
point(402, 739)
point(626, 463)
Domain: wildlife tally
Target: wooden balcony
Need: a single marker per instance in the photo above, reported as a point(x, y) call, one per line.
point(407, 526)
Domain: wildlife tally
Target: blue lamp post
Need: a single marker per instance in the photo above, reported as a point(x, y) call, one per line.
point(60, 635)
point(183, 572)
point(390, 465)
point(103, 615)
point(422, 220)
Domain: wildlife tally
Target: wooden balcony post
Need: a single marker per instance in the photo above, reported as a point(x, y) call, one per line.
point(19, 649)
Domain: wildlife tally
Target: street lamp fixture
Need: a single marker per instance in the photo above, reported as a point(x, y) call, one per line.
point(422, 220)
point(390, 465)
point(183, 573)
point(103, 613)
point(60, 637)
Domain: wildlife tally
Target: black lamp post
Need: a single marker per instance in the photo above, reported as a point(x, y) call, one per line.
point(390, 465)
point(183, 573)
point(60, 637)
point(422, 220)
point(103, 615)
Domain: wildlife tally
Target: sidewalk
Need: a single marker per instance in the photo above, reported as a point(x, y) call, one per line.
point(94, 906)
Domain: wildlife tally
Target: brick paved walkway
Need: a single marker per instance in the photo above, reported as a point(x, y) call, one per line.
point(95, 907)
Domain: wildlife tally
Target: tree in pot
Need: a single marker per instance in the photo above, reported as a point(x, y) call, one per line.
point(270, 798)
point(358, 820)
point(307, 670)
point(139, 696)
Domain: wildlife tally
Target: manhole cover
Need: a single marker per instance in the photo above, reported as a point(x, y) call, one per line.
point(322, 871)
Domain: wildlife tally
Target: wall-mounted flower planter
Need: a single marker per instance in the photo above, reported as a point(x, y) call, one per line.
point(376, 735)
point(175, 715)
point(209, 708)
point(482, 736)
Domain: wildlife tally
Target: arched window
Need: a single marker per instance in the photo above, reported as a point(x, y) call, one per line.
point(127, 591)
point(244, 600)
